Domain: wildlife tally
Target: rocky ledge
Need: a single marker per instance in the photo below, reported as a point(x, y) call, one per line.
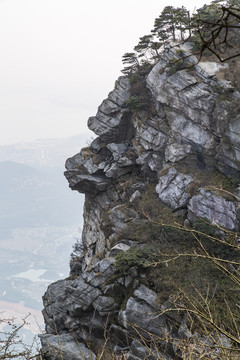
point(165, 160)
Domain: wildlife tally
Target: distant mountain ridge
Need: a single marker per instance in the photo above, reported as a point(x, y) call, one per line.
point(35, 197)
point(39, 217)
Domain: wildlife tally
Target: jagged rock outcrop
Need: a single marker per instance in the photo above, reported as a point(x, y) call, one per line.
point(186, 145)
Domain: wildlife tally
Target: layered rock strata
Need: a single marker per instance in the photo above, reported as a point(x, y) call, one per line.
point(180, 143)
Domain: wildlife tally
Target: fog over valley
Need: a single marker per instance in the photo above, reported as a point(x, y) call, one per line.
point(40, 220)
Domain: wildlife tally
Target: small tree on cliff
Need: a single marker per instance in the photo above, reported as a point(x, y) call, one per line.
point(167, 27)
point(182, 22)
point(148, 47)
point(170, 21)
point(133, 63)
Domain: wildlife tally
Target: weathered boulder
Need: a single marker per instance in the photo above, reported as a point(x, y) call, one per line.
point(140, 316)
point(117, 150)
point(172, 188)
point(118, 169)
point(135, 196)
point(149, 296)
point(175, 152)
point(121, 247)
point(216, 209)
point(120, 216)
point(65, 347)
point(87, 183)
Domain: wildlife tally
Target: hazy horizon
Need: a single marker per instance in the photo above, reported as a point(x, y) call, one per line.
point(60, 59)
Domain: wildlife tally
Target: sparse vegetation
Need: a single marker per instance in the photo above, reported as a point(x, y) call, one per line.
point(212, 30)
point(135, 103)
point(133, 259)
point(12, 345)
point(196, 274)
point(194, 269)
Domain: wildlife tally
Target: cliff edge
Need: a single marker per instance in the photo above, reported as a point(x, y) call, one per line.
point(167, 144)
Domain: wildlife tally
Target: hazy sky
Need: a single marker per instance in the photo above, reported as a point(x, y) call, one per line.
point(60, 58)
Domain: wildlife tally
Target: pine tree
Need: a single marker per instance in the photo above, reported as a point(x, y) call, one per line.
point(143, 46)
point(170, 22)
point(165, 23)
point(132, 60)
point(148, 48)
point(182, 20)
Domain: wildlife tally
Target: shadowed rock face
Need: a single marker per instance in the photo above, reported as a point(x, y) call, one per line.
point(193, 131)
point(111, 121)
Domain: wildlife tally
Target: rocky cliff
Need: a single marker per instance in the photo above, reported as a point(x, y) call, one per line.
point(167, 143)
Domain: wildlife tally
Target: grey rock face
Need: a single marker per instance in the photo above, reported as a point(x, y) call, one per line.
point(87, 183)
point(85, 172)
point(194, 110)
point(151, 138)
point(138, 352)
point(110, 122)
point(175, 152)
point(105, 304)
point(157, 77)
point(96, 145)
point(135, 196)
point(115, 170)
point(172, 188)
point(189, 131)
point(120, 216)
point(64, 347)
point(93, 236)
point(142, 316)
point(117, 150)
point(149, 296)
point(84, 160)
point(192, 124)
point(214, 208)
point(150, 160)
point(66, 300)
point(122, 162)
point(121, 247)
point(229, 147)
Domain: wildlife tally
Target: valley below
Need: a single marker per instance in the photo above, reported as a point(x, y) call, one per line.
point(40, 221)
